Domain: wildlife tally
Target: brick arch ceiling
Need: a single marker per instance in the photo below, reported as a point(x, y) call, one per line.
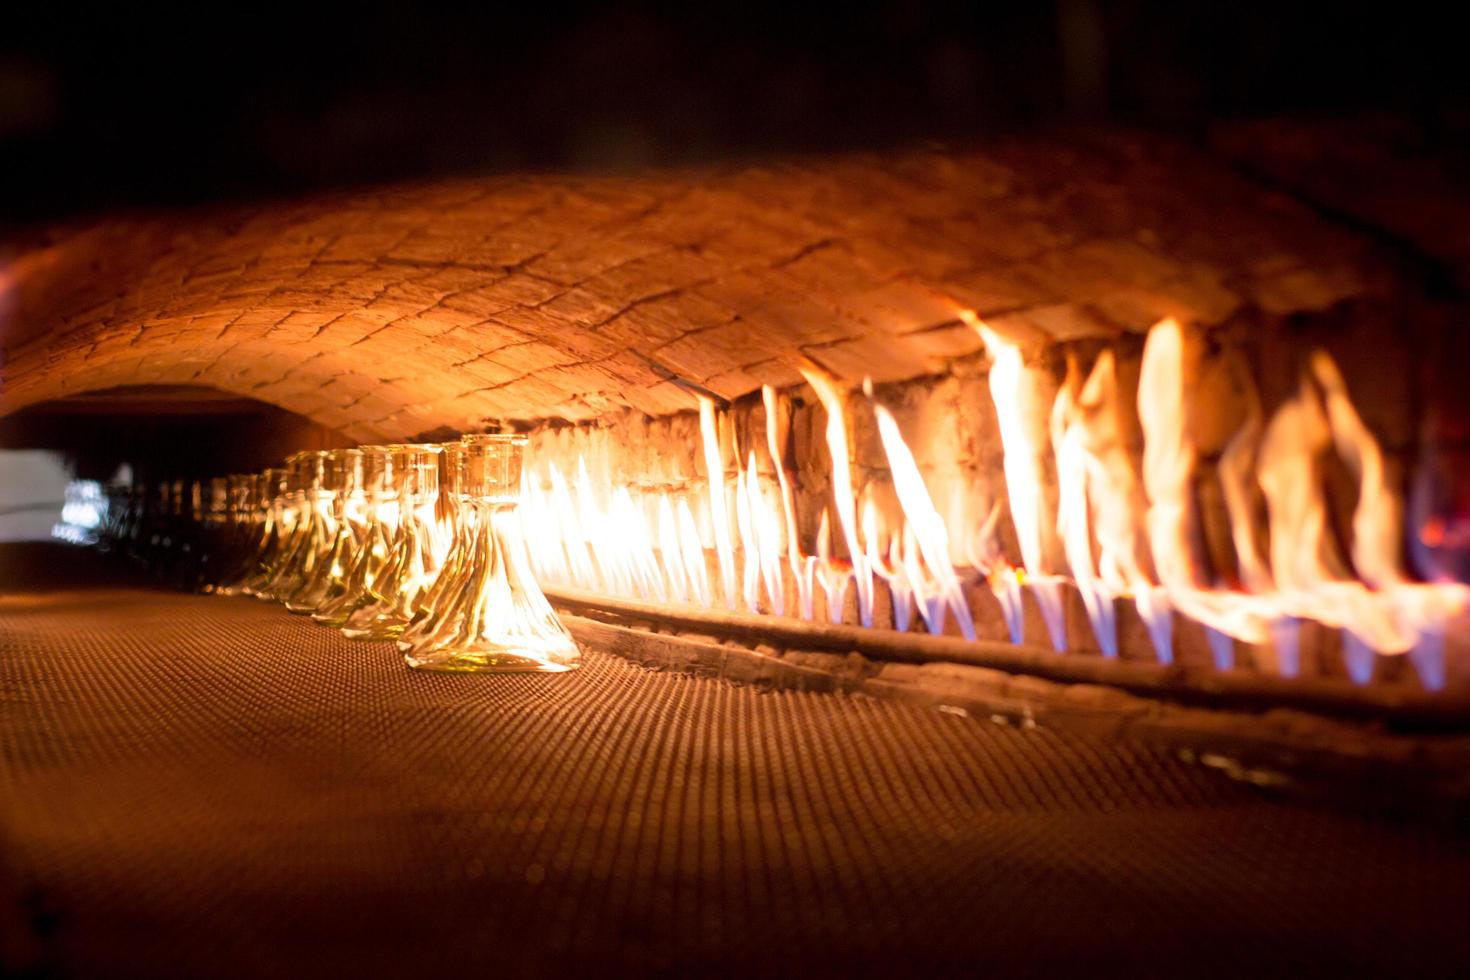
point(399, 310)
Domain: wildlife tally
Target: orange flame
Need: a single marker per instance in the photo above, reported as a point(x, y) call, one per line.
point(931, 539)
point(670, 555)
point(1302, 575)
point(1015, 398)
point(1168, 473)
point(889, 569)
point(834, 400)
point(765, 534)
point(1011, 395)
point(1378, 518)
point(776, 433)
point(750, 586)
point(692, 551)
point(1094, 468)
point(1072, 520)
point(832, 574)
point(1125, 530)
point(719, 513)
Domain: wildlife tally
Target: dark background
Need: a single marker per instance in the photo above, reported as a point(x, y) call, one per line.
point(164, 433)
point(118, 105)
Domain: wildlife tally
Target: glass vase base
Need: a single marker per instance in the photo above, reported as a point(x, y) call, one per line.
point(332, 619)
point(313, 601)
point(376, 631)
point(482, 660)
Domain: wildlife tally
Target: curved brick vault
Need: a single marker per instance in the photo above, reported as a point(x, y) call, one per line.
point(395, 311)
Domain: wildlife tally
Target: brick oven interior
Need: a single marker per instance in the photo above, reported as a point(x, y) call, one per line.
point(877, 340)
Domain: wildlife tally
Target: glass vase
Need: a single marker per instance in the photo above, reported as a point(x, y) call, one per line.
point(375, 543)
point(243, 536)
point(213, 533)
point(417, 553)
point(283, 517)
point(313, 531)
point(267, 524)
point(342, 490)
point(446, 513)
point(490, 616)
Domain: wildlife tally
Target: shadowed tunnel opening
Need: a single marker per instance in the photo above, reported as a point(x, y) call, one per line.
point(163, 432)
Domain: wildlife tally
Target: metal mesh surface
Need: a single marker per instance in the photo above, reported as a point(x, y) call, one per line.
point(203, 786)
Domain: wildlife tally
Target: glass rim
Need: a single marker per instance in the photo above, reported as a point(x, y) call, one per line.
point(473, 439)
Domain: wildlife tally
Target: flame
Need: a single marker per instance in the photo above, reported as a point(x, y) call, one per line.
point(671, 557)
point(900, 594)
point(1100, 493)
point(776, 437)
point(834, 399)
point(1168, 472)
point(1072, 522)
point(981, 551)
point(1014, 396)
point(833, 574)
point(574, 542)
point(1310, 576)
point(929, 599)
point(1302, 575)
point(763, 560)
point(719, 513)
point(1128, 531)
point(1023, 477)
point(750, 583)
point(1383, 612)
point(1237, 468)
point(1377, 519)
point(1421, 609)
point(609, 542)
point(926, 529)
point(692, 551)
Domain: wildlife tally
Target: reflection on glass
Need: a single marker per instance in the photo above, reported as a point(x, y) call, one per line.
point(488, 614)
point(421, 544)
point(343, 498)
point(416, 555)
point(282, 517)
point(245, 540)
point(380, 508)
point(307, 537)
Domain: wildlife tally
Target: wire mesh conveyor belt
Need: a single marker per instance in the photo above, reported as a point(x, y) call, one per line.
point(202, 786)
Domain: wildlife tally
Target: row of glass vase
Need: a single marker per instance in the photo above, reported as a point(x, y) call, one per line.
point(417, 544)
